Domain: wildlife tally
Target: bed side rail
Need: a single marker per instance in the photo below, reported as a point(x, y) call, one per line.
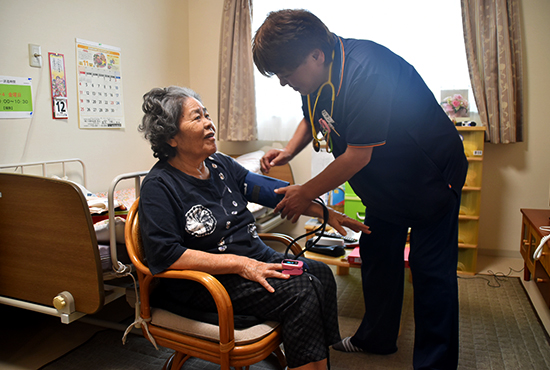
point(46, 168)
point(118, 267)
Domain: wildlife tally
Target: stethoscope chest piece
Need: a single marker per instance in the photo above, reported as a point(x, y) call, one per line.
point(316, 145)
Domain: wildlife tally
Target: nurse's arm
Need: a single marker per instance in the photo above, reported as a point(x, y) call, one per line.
point(298, 197)
point(339, 171)
point(277, 157)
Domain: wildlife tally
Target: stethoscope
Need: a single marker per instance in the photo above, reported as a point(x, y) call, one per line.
point(327, 123)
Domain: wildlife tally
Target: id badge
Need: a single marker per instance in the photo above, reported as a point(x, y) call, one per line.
point(330, 122)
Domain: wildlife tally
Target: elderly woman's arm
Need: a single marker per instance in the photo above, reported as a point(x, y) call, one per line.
point(265, 190)
point(230, 264)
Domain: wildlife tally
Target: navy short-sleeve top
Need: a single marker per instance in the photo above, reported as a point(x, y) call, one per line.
point(418, 160)
point(178, 211)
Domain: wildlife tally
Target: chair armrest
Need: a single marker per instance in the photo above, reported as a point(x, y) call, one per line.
point(215, 288)
point(282, 238)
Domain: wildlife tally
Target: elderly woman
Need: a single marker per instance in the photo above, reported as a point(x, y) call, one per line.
point(193, 215)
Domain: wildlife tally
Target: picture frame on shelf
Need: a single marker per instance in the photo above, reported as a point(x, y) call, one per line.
point(455, 104)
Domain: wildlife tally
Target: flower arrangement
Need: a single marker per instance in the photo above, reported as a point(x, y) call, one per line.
point(455, 106)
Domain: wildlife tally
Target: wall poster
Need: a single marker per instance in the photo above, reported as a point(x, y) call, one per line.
point(15, 97)
point(99, 85)
point(59, 86)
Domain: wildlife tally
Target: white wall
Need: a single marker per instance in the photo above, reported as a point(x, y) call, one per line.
point(153, 37)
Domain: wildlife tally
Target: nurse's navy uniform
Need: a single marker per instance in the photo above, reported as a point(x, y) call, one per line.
point(413, 180)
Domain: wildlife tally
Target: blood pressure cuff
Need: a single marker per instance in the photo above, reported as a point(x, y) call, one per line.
point(260, 189)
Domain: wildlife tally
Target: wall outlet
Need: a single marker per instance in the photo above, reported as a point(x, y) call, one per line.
point(35, 56)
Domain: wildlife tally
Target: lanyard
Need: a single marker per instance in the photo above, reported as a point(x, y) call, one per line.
point(325, 131)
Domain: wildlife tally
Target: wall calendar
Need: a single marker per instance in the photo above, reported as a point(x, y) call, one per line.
point(99, 85)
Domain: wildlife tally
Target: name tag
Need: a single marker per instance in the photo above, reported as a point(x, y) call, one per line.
point(330, 122)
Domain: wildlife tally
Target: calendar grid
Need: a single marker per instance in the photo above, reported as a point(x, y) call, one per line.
point(100, 103)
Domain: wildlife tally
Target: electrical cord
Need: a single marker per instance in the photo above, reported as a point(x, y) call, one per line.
point(31, 123)
point(498, 277)
point(321, 228)
point(294, 241)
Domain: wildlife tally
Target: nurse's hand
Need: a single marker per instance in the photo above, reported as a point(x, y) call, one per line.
point(294, 203)
point(274, 157)
point(338, 220)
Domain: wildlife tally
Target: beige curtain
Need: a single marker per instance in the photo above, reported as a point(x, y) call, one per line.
point(236, 100)
point(492, 34)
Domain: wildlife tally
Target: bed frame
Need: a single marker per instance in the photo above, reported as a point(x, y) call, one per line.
point(49, 257)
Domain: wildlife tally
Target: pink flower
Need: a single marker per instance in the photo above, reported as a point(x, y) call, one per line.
point(453, 104)
point(448, 108)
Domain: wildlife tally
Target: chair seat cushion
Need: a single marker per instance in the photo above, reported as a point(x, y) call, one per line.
point(162, 300)
point(168, 320)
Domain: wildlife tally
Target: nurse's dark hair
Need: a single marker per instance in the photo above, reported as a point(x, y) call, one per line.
point(163, 111)
point(286, 38)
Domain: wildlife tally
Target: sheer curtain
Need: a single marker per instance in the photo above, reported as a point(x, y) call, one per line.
point(492, 35)
point(236, 100)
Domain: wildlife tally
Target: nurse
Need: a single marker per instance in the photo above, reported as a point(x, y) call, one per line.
point(402, 156)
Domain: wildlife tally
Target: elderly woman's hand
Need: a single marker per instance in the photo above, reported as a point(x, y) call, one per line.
point(260, 271)
point(218, 264)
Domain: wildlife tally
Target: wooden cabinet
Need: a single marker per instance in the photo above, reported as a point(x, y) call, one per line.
point(473, 139)
point(531, 236)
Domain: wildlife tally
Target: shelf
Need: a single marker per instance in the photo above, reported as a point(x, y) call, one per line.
point(467, 260)
point(466, 217)
point(470, 128)
point(463, 245)
point(473, 139)
point(471, 188)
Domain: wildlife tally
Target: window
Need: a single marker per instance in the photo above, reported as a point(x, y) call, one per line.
point(428, 34)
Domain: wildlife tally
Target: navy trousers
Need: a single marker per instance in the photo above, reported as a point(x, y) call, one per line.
point(433, 262)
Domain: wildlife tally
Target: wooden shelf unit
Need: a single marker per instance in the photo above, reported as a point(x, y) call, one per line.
point(473, 139)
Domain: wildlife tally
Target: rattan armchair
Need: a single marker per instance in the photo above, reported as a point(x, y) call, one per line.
point(221, 344)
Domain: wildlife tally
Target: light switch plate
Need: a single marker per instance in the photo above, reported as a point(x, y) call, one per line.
point(35, 56)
